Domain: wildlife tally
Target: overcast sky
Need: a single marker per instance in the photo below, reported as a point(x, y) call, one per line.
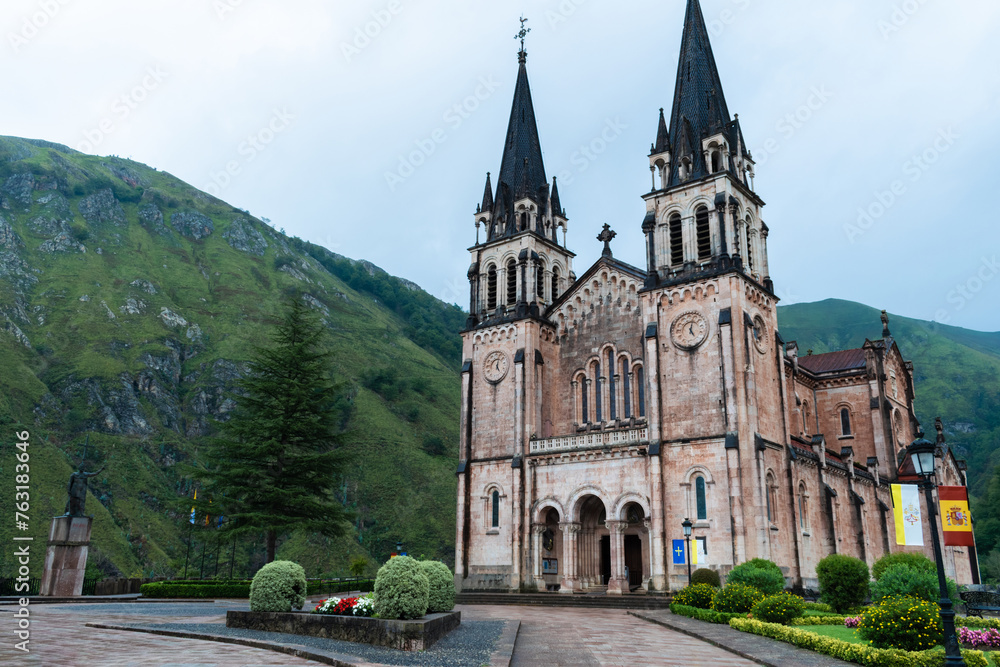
point(352, 140)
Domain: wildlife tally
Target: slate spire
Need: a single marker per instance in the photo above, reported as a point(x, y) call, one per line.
point(521, 169)
point(699, 103)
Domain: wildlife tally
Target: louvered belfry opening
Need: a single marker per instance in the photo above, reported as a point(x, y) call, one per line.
point(676, 240)
point(704, 232)
point(511, 283)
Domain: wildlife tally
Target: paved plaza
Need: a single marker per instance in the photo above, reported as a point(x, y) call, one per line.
point(548, 636)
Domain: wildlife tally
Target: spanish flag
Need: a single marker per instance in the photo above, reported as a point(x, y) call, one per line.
point(956, 521)
point(906, 510)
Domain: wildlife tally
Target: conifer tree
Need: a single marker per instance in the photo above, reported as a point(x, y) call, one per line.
point(275, 464)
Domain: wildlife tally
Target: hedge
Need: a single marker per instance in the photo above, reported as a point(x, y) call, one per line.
point(977, 623)
point(818, 620)
point(240, 588)
point(859, 653)
point(706, 615)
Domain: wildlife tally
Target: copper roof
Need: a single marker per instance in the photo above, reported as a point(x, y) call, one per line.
point(844, 360)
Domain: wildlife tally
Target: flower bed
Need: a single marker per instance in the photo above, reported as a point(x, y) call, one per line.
point(989, 638)
point(357, 606)
point(415, 635)
point(859, 653)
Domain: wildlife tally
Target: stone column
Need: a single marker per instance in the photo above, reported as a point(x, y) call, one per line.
point(536, 549)
point(66, 558)
point(618, 584)
point(569, 581)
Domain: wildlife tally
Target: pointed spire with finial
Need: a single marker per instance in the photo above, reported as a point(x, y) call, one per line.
point(522, 172)
point(556, 205)
point(699, 108)
point(488, 195)
point(662, 144)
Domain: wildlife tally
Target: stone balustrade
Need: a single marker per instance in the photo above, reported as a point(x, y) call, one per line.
point(593, 440)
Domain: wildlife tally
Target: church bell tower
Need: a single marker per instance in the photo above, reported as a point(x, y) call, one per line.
point(520, 265)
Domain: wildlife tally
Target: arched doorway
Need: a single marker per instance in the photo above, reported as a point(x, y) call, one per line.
point(636, 533)
point(548, 549)
point(593, 545)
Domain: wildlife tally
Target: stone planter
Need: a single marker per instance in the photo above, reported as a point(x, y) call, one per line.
point(416, 635)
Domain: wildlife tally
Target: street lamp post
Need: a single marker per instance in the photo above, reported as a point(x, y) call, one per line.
point(686, 524)
point(399, 547)
point(921, 454)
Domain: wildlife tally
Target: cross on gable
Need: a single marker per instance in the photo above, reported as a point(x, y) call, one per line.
point(607, 235)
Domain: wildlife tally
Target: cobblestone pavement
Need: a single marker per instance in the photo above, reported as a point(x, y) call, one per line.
point(59, 638)
point(549, 636)
point(559, 636)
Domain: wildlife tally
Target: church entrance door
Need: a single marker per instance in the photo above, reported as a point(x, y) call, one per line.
point(605, 559)
point(633, 560)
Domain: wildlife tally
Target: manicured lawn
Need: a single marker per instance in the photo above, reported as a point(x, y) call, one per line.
point(837, 632)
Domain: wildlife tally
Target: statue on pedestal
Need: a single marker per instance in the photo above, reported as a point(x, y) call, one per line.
point(77, 489)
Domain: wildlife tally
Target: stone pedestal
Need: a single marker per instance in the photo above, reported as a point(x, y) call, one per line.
point(66, 558)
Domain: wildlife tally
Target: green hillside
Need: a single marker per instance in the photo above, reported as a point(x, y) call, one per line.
point(956, 371)
point(128, 301)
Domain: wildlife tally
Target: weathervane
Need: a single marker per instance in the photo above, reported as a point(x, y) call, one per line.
point(521, 35)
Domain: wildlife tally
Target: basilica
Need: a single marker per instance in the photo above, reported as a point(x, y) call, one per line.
point(602, 410)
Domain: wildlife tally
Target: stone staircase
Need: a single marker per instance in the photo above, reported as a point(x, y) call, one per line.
point(588, 600)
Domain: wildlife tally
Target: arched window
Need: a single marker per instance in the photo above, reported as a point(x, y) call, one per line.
point(676, 240)
point(511, 283)
point(524, 222)
point(803, 508)
point(699, 494)
point(491, 288)
point(626, 389)
point(749, 244)
point(540, 281)
point(845, 421)
point(612, 389)
point(704, 233)
point(716, 161)
point(597, 392)
point(585, 399)
point(640, 381)
point(496, 509)
point(555, 283)
point(685, 169)
point(805, 418)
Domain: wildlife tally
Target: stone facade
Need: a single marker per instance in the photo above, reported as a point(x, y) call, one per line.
point(599, 412)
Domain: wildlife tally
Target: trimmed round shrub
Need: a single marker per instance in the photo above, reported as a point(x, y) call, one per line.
point(765, 579)
point(441, 595)
point(705, 576)
point(763, 564)
point(901, 579)
point(279, 586)
point(736, 599)
point(696, 595)
point(402, 590)
point(779, 608)
point(913, 560)
point(905, 623)
point(843, 581)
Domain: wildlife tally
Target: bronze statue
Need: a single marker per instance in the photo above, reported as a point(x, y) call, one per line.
point(78, 486)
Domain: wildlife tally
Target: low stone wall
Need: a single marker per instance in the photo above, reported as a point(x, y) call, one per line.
point(416, 635)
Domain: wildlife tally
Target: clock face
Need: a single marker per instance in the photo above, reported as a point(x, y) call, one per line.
point(495, 367)
point(760, 334)
point(689, 330)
